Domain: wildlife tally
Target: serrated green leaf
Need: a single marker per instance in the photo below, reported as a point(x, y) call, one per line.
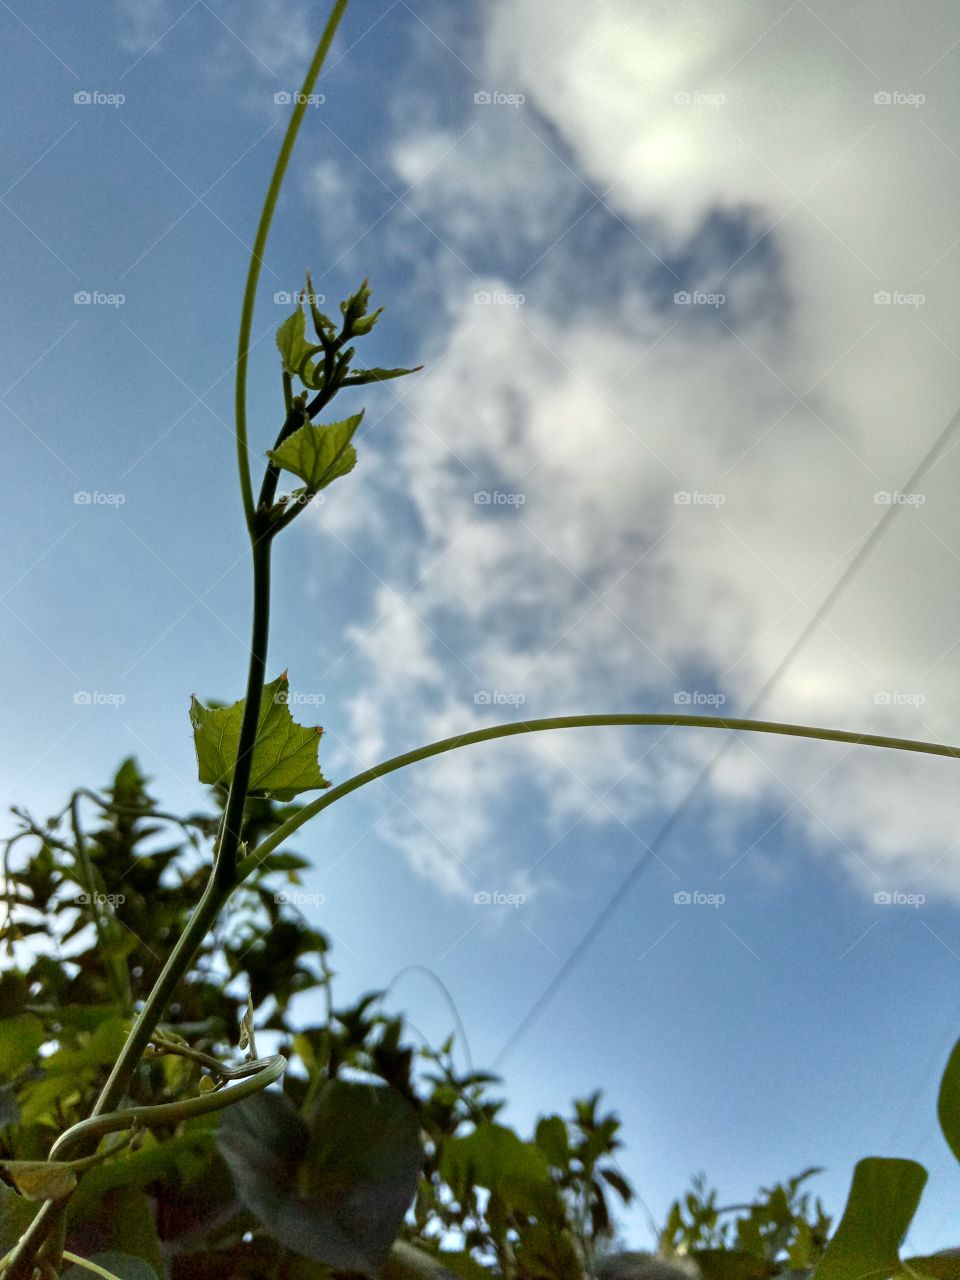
point(284, 755)
point(882, 1201)
point(377, 375)
point(319, 454)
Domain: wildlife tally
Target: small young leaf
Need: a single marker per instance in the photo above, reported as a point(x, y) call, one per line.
point(377, 375)
point(326, 329)
point(354, 308)
point(284, 754)
point(295, 350)
point(319, 454)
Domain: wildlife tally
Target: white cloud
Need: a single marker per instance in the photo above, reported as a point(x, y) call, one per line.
point(601, 591)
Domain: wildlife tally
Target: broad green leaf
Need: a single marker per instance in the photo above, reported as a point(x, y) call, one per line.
point(553, 1141)
point(295, 350)
point(284, 755)
point(937, 1266)
point(121, 1265)
point(319, 454)
point(334, 1186)
point(129, 1214)
point(376, 375)
point(494, 1157)
point(16, 1214)
point(948, 1103)
point(882, 1201)
point(20, 1038)
point(169, 1158)
point(40, 1179)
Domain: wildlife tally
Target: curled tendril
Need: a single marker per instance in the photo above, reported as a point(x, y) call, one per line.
point(253, 1076)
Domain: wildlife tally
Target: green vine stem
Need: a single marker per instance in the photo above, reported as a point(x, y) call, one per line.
point(92, 1267)
point(253, 1077)
point(511, 729)
point(256, 258)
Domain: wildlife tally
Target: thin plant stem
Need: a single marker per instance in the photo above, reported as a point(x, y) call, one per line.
point(256, 258)
point(513, 728)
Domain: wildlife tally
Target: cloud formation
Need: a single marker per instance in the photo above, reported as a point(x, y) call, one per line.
point(673, 486)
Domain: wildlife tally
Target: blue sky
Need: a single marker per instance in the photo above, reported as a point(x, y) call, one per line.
point(772, 160)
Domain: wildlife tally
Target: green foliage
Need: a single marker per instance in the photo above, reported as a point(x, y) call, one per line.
point(319, 454)
point(328, 375)
point(369, 1139)
point(883, 1199)
point(779, 1233)
point(284, 754)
